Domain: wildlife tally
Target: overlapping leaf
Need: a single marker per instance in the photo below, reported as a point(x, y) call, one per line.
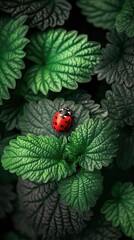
point(120, 209)
point(43, 14)
point(102, 13)
point(125, 19)
point(82, 190)
point(61, 60)
point(93, 143)
point(37, 158)
point(82, 97)
point(120, 104)
point(6, 197)
point(12, 43)
point(117, 61)
point(38, 117)
point(41, 203)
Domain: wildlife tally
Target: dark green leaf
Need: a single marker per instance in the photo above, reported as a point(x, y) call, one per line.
point(37, 158)
point(102, 13)
point(43, 14)
point(41, 203)
point(6, 197)
point(93, 143)
point(61, 60)
point(117, 61)
point(125, 155)
point(120, 209)
point(120, 104)
point(38, 117)
point(125, 19)
point(12, 43)
point(14, 236)
point(99, 229)
point(82, 190)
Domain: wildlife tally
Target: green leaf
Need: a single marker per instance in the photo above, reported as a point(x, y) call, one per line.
point(116, 63)
point(125, 19)
point(102, 13)
point(61, 60)
point(6, 197)
point(82, 190)
point(12, 43)
point(120, 104)
point(38, 117)
point(37, 158)
point(120, 209)
point(93, 143)
point(41, 204)
point(125, 155)
point(46, 13)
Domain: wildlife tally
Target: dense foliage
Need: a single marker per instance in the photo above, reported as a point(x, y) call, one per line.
point(75, 184)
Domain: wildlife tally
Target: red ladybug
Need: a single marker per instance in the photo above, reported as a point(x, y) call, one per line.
point(62, 120)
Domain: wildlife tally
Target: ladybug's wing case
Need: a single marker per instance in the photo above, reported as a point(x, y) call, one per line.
point(61, 124)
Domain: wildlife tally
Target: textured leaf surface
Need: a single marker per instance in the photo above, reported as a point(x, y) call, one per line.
point(117, 61)
point(38, 117)
point(99, 229)
point(120, 104)
point(93, 143)
point(102, 13)
point(125, 19)
point(43, 14)
point(6, 198)
point(125, 155)
point(61, 60)
point(120, 209)
point(82, 190)
point(12, 42)
point(80, 96)
point(37, 158)
point(42, 205)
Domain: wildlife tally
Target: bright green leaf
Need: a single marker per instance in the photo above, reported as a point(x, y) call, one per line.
point(37, 158)
point(125, 19)
point(116, 63)
point(43, 14)
point(93, 144)
point(38, 117)
point(41, 204)
point(102, 13)
point(120, 209)
point(12, 43)
point(61, 60)
point(120, 104)
point(82, 190)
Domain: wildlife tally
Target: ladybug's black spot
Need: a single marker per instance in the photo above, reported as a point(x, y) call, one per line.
point(62, 126)
point(66, 121)
point(55, 123)
point(56, 117)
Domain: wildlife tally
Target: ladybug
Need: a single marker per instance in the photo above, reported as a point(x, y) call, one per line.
point(62, 120)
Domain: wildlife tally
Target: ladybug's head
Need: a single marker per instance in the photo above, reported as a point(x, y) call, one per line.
point(65, 112)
